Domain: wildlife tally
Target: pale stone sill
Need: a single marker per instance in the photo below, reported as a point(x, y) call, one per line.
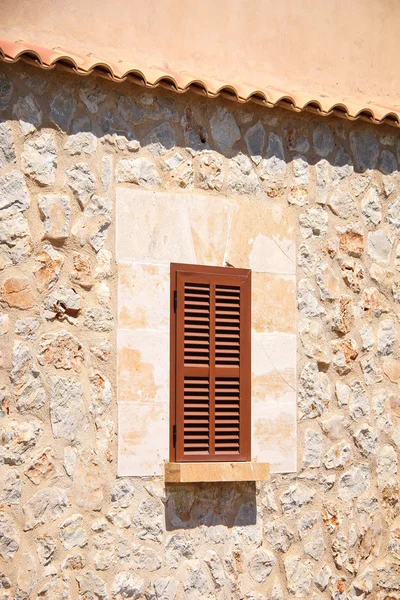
point(215, 471)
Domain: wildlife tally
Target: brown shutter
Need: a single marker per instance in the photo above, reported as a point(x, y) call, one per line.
point(210, 363)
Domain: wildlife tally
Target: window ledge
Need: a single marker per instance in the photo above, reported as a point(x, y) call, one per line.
point(215, 471)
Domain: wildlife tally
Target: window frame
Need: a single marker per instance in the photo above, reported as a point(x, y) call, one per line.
point(244, 276)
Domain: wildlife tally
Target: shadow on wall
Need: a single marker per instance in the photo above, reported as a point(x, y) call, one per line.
point(210, 504)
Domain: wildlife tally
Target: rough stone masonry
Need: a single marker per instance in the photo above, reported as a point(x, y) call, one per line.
point(69, 528)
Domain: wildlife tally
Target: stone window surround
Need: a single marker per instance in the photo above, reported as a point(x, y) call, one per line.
point(190, 228)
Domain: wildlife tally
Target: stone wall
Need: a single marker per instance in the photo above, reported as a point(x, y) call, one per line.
point(69, 528)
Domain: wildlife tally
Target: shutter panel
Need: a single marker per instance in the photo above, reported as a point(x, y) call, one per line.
point(210, 363)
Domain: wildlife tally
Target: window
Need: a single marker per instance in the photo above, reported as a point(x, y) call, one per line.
point(210, 349)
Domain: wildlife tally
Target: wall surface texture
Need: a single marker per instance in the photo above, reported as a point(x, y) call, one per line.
point(73, 152)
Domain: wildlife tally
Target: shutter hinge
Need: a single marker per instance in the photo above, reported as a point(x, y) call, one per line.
point(175, 300)
point(174, 436)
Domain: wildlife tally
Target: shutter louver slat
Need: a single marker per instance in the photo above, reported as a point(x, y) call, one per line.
point(210, 340)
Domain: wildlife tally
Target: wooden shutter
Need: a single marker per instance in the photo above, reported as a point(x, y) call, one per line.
point(210, 363)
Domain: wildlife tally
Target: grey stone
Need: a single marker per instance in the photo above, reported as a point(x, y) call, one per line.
point(72, 533)
point(386, 337)
point(216, 567)
point(394, 213)
point(343, 204)
point(313, 449)
point(306, 300)
point(9, 536)
point(327, 281)
point(122, 493)
point(323, 176)
point(306, 523)
point(11, 488)
point(130, 109)
point(27, 382)
point(333, 426)
point(273, 166)
point(211, 173)
point(365, 148)
point(45, 549)
point(299, 575)
point(366, 440)
point(313, 222)
point(92, 95)
point(261, 564)
point(255, 139)
point(147, 559)
point(93, 225)
point(67, 410)
point(279, 536)
point(62, 303)
point(372, 372)
point(16, 439)
point(242, 179)
point(29, 114)
point(323, 140)
point(177, 547)
point(148, 521)
point(14, 196)
point(6, 90)
point(300, 170)
point(82, 182)
point(91, 586)
point(338, 455)
point(56, 213)
point(27, 328)
point(379, 246)
point(160, 139)
point(107, 171)
point(314, 341)
point(342, 167)
point(387, 163)
point(224, 129)
point(16, 243)
point(46, 506)
point(141, 171)
point(295, 497)
point(39, 158)
point(387, 464)
point(315, 546)
point(297, 139)
point(306, 260)
point(354, 482)
point(164, 588)
point(7, 149)
point(81, 143)
point(323, 578)
point(99, 319)
point(359, 403)
point(100, 393)
point(367, 337)
point(63, 107)
point(314, 392)
point(196, 585)
point(371, 208)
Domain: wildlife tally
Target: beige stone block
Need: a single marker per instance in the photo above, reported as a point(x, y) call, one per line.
point(152, 227)
point(273, 303)
point(273, 367)
point(274, 400)
point(143, 296)
point(215, 471)
point(142, 439)
point(143, 366)
point(210, 219)
point(262, 237)
point(274, 435)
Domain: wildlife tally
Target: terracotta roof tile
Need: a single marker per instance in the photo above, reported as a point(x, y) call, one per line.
point(47, 58)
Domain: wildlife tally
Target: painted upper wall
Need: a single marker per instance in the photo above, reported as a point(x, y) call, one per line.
point(343, 49)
